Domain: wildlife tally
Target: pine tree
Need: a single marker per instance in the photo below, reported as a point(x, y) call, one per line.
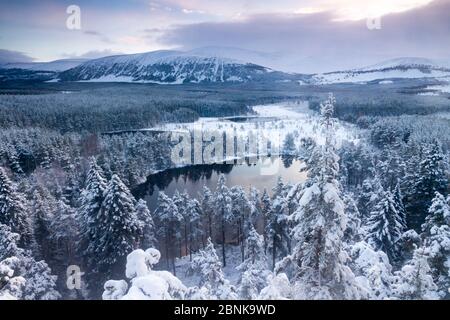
point(414, 280)
point(42, 214)
point(182, 202)
point(400, 207)
point(372, 267)
point(289, 150)
point(148, 239)
point(207, 265)
point(385, 226)
point(266, 205)
point(436, 241)
point(36, 279)
point(392, 165)
point(318, 264)
point(169, 223)
point(120, 230)
point(256, 214)
point(13, 212)
point(254, 267)
point(277, 229)
point(353, 232)
point(223, 211)
point(194, 210)
point(91, 201)
point(64, 234)
point(207, 203)
point(430, 178)
point(241, 210)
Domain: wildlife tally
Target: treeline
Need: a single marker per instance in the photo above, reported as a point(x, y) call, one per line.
point(368, 102)
point(93, 109)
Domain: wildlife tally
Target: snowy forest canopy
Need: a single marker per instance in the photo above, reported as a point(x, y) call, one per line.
point(372, 220)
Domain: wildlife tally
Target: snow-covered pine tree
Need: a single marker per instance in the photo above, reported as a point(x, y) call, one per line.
point(91, 200)
point(120, 230)
point(372, 269)
point(148, 239)
point(392, 165)
point(414, 280)
point(366, 196)
point(13, 212)
point(207, 203)
point(266, 205)
point(277, 229)
point(256, 206)
point(429, 178)
point(195, 236)
point(21, 276)
point(223, 211)
point(385, 226)
point(398, 201)
point(254, 268)
point(207, 265)
point(182, 203)
point(241, 209)
point(42, 216)
point(353, 232)
point(168, 224)
point(436, 242)
point(64, 235)
point(318, 264)
point(289, 150)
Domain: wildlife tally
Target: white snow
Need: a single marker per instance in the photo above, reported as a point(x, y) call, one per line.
point(276, 121)
point(355, 76)
point(146, 284)
point(55, 66)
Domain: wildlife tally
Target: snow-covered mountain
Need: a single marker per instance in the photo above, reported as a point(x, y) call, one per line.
point(169, 67)
point(52, 66)
point(401, 68)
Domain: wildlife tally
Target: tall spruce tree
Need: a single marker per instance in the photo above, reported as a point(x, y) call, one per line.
point(144, 216)
point(223, 211)
point(13, 211)
point(169, 224)
point(429, 178)
point(119, 231)
point(318, 264)
point(91, 200)
point(436, 242)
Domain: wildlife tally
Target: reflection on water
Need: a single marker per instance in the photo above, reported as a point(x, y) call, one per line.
point(259, 173)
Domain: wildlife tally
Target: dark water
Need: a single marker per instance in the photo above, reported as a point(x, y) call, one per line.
point(259, 173)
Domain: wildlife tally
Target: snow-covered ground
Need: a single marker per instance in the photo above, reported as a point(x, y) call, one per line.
point(277, 120)
point(445, 88)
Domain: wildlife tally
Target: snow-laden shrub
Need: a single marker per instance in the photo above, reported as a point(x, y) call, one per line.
point(373, 270)
point(145, 284)
point(279, 288)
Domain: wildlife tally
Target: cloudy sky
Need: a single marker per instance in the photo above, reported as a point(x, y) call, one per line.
point(302, 35)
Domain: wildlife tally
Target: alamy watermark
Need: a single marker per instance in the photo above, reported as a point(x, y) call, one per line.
point(74, 275)
point(73, 21)
point(373, 23)
point(199, 146)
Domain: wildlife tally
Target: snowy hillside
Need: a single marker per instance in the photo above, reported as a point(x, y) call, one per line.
point(401, 68)
point(168, 67)
point(53, 66)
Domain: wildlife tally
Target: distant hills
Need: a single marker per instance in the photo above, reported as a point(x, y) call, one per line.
point(211, 65)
